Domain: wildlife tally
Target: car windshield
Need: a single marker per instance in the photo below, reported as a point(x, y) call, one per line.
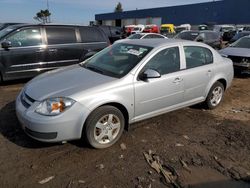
point(117, 60)
point(165, 29)
point(135, 36)
point(242, 43)
point(6, 30)
point(187, 35)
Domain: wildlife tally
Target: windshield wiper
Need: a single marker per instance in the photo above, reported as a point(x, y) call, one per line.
point(95, 69)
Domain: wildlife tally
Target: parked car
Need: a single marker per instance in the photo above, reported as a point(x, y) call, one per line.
point(128, 29)
point(138, 29)
point(182, 27)
point(239, 53)
point(239, 35)
point(211, 38)
point(130, 81)
point(4, 25)
point(146, 36)
point(227, 31)
point(167, 30)
point(27, 50)
point(151, 29)
point(246, 28)
point(113, 33)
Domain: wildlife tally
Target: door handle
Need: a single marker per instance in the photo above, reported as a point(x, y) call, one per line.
point(40, 51)
point(177, 80)
point(52, 50)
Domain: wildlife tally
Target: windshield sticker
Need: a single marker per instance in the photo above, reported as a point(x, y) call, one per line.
point(134, 52)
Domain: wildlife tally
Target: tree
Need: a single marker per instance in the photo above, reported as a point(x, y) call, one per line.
point(118, 7)
point(43, 16)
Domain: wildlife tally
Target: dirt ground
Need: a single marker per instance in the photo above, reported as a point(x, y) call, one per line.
point(203, 148)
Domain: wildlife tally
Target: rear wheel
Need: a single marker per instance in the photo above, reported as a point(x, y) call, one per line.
point(104, 127)
point(215, 95)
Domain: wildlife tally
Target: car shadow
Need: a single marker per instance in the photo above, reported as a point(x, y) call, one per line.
point(14, 82)
point(11, 129)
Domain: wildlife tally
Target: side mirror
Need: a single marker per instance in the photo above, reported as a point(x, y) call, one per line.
point(149, 73)
point(6, 44)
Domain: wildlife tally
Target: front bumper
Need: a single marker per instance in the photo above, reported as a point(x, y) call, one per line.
point(63, 127)
point(242, 67)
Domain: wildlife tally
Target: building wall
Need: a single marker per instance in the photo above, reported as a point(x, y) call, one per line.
point(221, 12)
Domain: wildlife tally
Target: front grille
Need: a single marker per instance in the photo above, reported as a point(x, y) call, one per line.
point(26, 100)
point(238, 59)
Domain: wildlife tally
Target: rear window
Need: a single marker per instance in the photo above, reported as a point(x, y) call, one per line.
point(91, 34)
point(197, 56)
point(60, 35)
point(188, 35)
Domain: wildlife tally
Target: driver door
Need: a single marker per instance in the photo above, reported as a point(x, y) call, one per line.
point(158, 95)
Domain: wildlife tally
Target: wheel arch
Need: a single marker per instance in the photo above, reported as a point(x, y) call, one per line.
point(117, 105)
point(224, 83)
point(220, 79)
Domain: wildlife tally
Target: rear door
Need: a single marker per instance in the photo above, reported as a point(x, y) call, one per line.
point(63, 46)
point(25, 57)
point(199, 71)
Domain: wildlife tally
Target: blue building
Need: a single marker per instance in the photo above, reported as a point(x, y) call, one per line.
point(220, 12)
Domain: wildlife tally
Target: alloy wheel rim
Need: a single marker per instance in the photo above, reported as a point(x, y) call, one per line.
point(107, 128)
point(216, 96)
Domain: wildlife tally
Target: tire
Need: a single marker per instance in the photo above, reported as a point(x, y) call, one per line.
point(215, 95)
point(104, 127)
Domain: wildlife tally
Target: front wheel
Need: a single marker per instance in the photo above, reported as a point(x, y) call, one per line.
point(104, 127)
point(215, 95)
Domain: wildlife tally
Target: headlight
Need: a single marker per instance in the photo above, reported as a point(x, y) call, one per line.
point(54, 106)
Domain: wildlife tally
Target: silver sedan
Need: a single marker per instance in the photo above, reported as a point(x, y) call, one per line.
point(127, 82)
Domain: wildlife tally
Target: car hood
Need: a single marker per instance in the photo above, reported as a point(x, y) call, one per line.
point(233, 51)
point(64, 82)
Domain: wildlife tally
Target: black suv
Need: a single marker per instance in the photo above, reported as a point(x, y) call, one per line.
point(211, 38)
point(27, 50)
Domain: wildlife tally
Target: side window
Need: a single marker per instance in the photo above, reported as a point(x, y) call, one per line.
point(91, 34)
point(60, 35)
point(26, 37)
point(197, 56)
point(166, 61)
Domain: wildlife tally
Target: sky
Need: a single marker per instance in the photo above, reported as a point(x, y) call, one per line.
point(75, 11)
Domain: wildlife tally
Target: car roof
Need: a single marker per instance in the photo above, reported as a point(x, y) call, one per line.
point(52, 24)
point(158, 42)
